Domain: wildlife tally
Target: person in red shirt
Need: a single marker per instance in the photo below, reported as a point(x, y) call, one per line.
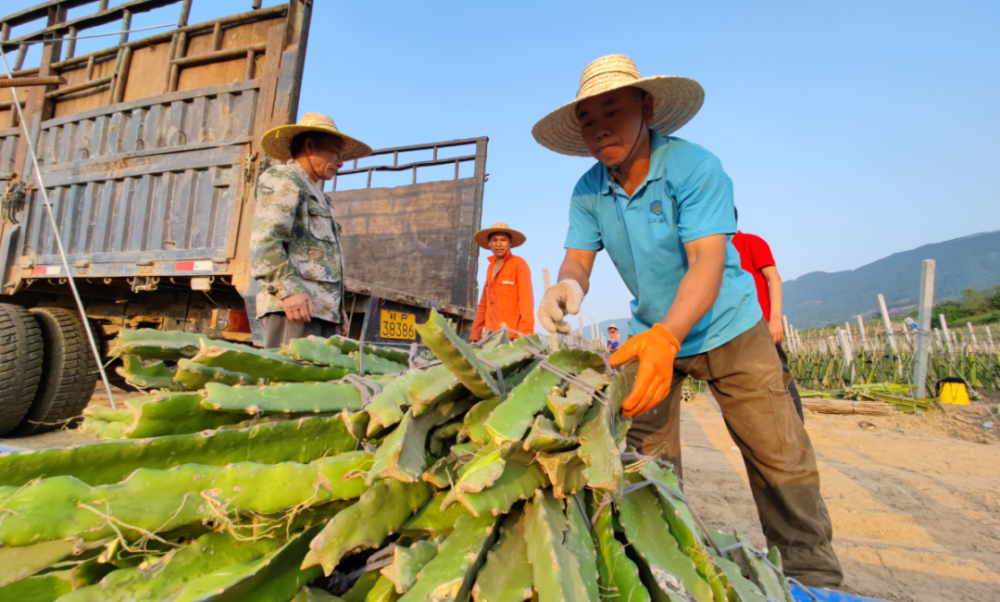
point(756, 258)
point(507, 297)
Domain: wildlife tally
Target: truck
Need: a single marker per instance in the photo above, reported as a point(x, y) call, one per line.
point(130, 171)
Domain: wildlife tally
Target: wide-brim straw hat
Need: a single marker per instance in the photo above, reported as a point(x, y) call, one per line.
point(482, 238)
point(675, 101)
point(277, 142)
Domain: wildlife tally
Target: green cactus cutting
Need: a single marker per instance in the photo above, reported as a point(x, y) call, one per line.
point(506, 575)
point(520, 480)
point(57, 583)
point(167, 575)
point(315, 351)
point(618, 576)
point(441, 338)
point(557, 572)
point(276, 576)
point(568, 410)
point(153, 344)
point(434, 518)
point(407, 562)
point(387, 407)
point(301, 441)
point(671, 571)
point(287, 398)
point(450, 575)
point(148, 374)
point(545, 436)
point(183, 495)
point(348, 346)
point(403, 455)
point(261, 363)
point(194, 376)
point(564, 471)
point(381, 511)
point(683, 526)
point(511, 419)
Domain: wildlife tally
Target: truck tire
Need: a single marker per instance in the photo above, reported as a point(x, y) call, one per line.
point(69, 372)
point(21, 351)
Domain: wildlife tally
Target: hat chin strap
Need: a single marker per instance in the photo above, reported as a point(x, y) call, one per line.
point(616, 169)
point(312, 170)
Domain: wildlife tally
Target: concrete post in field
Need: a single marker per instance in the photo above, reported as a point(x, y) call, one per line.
point(864, 335)
point(580, 320)
point(946, 334)
point(593, 329)
point(989, 340)
point(553, 336)
point(972, 336)
point(888, 325)
point(924, 327)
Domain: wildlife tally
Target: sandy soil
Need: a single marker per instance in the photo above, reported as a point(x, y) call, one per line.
point(915, 500)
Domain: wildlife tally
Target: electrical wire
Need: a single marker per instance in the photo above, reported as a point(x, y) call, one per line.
point(55, 232)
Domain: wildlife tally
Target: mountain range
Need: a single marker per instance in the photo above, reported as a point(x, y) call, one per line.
point(823, 298)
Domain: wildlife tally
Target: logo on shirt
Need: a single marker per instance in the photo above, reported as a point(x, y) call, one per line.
point(656, 208)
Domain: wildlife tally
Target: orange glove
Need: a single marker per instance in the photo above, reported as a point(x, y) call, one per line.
point(656, 349)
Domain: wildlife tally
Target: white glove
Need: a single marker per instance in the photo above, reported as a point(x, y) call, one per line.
point(563, 298)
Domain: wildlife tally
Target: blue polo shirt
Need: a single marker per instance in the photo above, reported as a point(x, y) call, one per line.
point(686, 196)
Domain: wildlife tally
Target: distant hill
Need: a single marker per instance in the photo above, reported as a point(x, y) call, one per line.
point(821, 298)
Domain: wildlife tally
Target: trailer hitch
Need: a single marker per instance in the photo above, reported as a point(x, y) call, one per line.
point(144, 283)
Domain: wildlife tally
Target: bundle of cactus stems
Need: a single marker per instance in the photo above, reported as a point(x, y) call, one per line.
point(498, 473)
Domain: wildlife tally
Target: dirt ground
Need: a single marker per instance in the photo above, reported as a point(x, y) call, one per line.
point(915, 500)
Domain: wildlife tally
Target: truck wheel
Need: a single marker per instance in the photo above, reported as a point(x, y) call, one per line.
point(68, 372)
point(21, 351)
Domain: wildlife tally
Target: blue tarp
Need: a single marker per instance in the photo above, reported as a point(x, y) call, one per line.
point(826, 595)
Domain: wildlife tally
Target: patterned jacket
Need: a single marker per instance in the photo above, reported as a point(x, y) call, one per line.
point(295, 247)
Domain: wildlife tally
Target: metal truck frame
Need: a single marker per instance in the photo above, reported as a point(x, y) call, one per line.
point(149, 151)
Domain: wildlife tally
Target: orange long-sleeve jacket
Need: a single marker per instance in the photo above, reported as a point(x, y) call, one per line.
point(507, 299)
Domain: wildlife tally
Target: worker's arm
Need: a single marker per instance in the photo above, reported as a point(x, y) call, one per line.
point(577, 265)
point(525, 300)
point(277, 201)
point(774, 292)
point(699, 288)
point(480, 321)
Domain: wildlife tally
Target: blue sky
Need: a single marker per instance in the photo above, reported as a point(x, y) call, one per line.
point(851, 130)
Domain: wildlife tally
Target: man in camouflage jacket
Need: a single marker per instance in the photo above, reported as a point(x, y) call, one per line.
point(296, 255)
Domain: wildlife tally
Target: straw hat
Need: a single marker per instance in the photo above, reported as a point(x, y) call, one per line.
point(482, 238)
point(675, 101)
point(277, 142)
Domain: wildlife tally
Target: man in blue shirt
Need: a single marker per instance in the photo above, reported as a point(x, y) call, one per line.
point(663, 208)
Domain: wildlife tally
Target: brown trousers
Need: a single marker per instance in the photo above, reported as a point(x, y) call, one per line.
point(745, 376)
point(278, 329)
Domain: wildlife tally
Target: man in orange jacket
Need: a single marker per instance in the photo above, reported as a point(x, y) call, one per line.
point(507, 296)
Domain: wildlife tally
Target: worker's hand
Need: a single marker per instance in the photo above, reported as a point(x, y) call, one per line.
point(343, 329)
point(656, 349)
point(777, 330)
point(298, 307)
point(563, 298)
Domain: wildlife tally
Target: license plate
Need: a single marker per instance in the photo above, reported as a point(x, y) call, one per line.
point(398, 325)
